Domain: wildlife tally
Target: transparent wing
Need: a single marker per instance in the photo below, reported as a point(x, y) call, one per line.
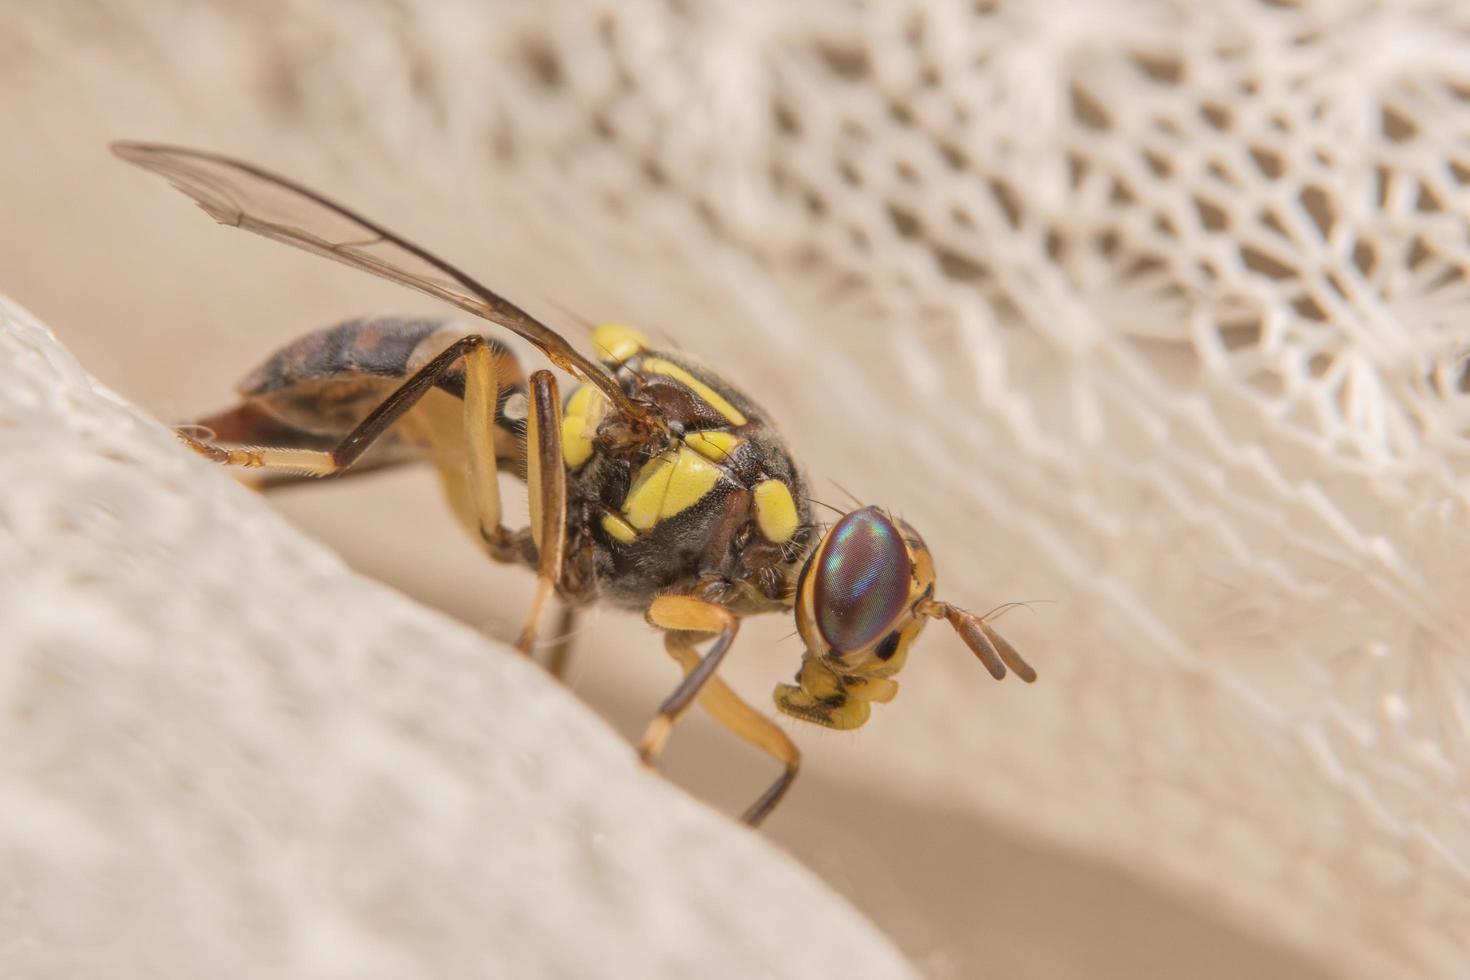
point(236, 193)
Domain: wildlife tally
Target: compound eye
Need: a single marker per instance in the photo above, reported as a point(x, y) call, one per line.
point(862, 582)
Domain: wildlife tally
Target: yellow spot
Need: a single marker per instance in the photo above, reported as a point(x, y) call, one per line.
point(619, 529)
point(713, 446)
point(587, 402)
point(576, 445)
point(716, 401)
point(665, 487)
point(694, 477)
point(584, 412)
point(775, 511)
point(642, 504)
point(616, 343)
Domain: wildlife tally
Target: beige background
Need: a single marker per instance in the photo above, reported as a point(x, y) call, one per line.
point(218, 761)
point(169, 311)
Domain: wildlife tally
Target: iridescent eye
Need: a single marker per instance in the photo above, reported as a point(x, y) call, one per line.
point(862, 580)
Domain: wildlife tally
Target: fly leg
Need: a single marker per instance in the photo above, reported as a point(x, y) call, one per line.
point(730, 710)
point(546, 484)
point(479, 408)
point(686, 619)
point(561, 646)
point(678, 613)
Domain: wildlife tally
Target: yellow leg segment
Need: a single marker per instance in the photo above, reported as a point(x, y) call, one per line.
point(730, 710)
point(689, 615)
point(479, 399)
point(561, 646)
point(480, 392)
point(546, 484)
point(309, 461)
point(686, 619)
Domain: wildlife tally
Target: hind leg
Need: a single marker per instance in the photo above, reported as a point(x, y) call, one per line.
point(479, 420)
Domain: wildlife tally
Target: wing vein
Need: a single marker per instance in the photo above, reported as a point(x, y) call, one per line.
point(245, 196)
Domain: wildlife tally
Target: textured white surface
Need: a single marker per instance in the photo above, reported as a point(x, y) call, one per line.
point(1157, 310)
point(225, 755)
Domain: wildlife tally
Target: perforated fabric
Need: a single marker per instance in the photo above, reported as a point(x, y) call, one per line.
point(228, 756)
point(1155, 310)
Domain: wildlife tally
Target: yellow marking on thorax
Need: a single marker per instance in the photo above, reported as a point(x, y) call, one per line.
point(584, 412)
point(715, 400)
point(775, 511)
point(616, 343)
point(619, 529)
point(668, 486)
point(713, 446)
point(646, 496)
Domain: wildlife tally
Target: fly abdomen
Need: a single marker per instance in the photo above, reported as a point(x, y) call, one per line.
point(313, 392)
point(328, 380)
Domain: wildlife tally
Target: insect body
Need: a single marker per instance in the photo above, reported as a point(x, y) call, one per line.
point(656, 485)
point(715, 507)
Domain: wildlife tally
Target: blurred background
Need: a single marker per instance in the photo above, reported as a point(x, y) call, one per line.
point(1153, 311)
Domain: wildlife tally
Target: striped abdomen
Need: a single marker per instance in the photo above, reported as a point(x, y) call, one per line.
point(312, 392)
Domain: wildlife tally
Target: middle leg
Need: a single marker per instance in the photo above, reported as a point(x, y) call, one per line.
point(546, 488)
point(561, 646)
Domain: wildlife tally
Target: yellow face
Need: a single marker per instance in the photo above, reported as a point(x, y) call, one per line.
point(862, 599)
point(861, 602)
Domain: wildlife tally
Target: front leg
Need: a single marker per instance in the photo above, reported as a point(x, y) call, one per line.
point(687, 619)
point(731, 711)
point(686, 614)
